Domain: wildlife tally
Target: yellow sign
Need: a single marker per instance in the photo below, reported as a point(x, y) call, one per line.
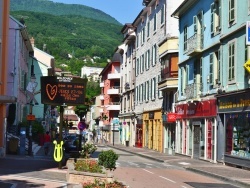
point(247, 66)
point(58, 151)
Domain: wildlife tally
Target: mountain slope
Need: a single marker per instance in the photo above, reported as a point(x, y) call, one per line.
point(54, 8)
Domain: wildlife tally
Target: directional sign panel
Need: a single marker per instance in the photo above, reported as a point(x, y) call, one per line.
point(247, 66)
point(56, 90)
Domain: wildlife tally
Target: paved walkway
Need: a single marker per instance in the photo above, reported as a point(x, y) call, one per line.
point(236, 176)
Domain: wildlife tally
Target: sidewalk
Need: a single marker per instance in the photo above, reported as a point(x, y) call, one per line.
point(236, 176)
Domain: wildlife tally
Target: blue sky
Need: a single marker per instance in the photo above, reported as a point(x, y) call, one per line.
point(124, 11)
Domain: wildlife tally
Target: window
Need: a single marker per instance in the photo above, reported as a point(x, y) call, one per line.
point(143, 36)
point(142, 62)
point(153, 88)
point(147, 91)
point(155, 24)
point(159, 91)
point(231, 11)
point(154, 54)
point(215, 16)
point(211, 68)
point(183, 75)
point(185, 38)
point(248, 7)
point(148, 28)
point(137, 67)
point(137, 41)
point(231, 61)
point(162, 15)
point(148, 59)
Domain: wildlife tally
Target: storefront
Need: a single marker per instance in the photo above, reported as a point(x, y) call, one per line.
point(139, 132)
point(169, 122)
point(234, 113)
point(195, 129)
point(153, 130)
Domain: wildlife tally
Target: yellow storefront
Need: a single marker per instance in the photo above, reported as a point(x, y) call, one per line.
point(153, 130)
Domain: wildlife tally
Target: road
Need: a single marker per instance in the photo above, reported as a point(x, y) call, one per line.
point(134, 171)
point(138, 172)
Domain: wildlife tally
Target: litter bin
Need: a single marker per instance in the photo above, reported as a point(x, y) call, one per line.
point(13, 145)
point(127, 143)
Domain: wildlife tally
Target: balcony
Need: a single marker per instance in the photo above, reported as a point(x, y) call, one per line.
point(113, 90)
point(113, 106)
point(194, 45)
point(101, 84)
point(193, 91)
point(112, 76)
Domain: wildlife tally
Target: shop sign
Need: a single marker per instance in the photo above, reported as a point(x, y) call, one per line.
point(236, 102)
point(151, 115)
point(196, 109)
point(171, 117)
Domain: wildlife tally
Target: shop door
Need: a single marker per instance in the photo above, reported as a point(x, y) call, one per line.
point(196, 142)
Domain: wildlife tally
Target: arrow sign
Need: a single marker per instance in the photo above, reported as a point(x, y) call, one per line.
point(247, 66)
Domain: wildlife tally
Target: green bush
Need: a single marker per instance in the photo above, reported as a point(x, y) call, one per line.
point(108, 159)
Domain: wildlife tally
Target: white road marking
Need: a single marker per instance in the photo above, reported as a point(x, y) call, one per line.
point(133, 163)
point(184, 163)
point(148, 171)
point(183, 186)
point(167, 179)
point(147, 164)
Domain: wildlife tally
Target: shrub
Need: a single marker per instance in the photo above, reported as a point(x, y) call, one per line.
point(98, 184)
point(108, 159)
point(88, 166)
point(87, 150)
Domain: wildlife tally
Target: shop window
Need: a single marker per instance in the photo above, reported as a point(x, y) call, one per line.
point(238, 135)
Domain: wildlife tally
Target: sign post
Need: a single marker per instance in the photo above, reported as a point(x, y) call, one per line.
point(62, 91)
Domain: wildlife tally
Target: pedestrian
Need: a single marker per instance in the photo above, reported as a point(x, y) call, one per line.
point(47, 140)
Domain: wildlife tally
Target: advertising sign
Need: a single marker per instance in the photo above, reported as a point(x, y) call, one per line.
point(56, 90)
point(248, 33)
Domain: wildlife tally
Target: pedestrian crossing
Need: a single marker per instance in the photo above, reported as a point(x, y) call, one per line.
point(147, 165)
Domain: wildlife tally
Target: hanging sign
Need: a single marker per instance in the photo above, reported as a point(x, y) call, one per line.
point(56, 90)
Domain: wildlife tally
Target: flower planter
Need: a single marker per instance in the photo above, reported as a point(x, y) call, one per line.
point(79, 177)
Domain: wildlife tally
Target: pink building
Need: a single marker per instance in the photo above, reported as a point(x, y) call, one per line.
point(110, 98)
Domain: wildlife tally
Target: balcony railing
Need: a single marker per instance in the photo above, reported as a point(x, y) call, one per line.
point(193, 91)
point(165, 74)
point(194, 44)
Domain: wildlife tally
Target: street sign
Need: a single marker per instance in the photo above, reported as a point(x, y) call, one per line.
point(31, 117)
point(56, 90)
point(247, 66)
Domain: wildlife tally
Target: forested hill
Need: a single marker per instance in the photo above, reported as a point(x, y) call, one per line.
point(54, 8)
point(75, 35)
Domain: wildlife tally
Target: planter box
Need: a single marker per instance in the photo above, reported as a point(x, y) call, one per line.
point(79, 177)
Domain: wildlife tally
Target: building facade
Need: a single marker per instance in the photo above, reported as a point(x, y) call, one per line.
point(129, 134)
point(110, 100)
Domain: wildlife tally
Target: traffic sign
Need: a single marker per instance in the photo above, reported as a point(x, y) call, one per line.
point(31, 117)
point(247, 66)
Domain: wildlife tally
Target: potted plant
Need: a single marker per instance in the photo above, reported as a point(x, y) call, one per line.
point(87, 150)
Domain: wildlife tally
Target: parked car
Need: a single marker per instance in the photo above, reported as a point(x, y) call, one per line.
point(71, 143)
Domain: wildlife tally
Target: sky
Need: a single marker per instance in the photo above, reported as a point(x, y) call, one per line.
point(124, 11)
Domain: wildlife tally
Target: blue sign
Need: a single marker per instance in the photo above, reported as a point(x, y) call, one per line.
point(115, 121)
point(248, 33)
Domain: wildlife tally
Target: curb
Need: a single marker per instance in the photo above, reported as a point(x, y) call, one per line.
point(219, 177)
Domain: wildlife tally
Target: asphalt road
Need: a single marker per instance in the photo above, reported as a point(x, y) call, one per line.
point(138, 172)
